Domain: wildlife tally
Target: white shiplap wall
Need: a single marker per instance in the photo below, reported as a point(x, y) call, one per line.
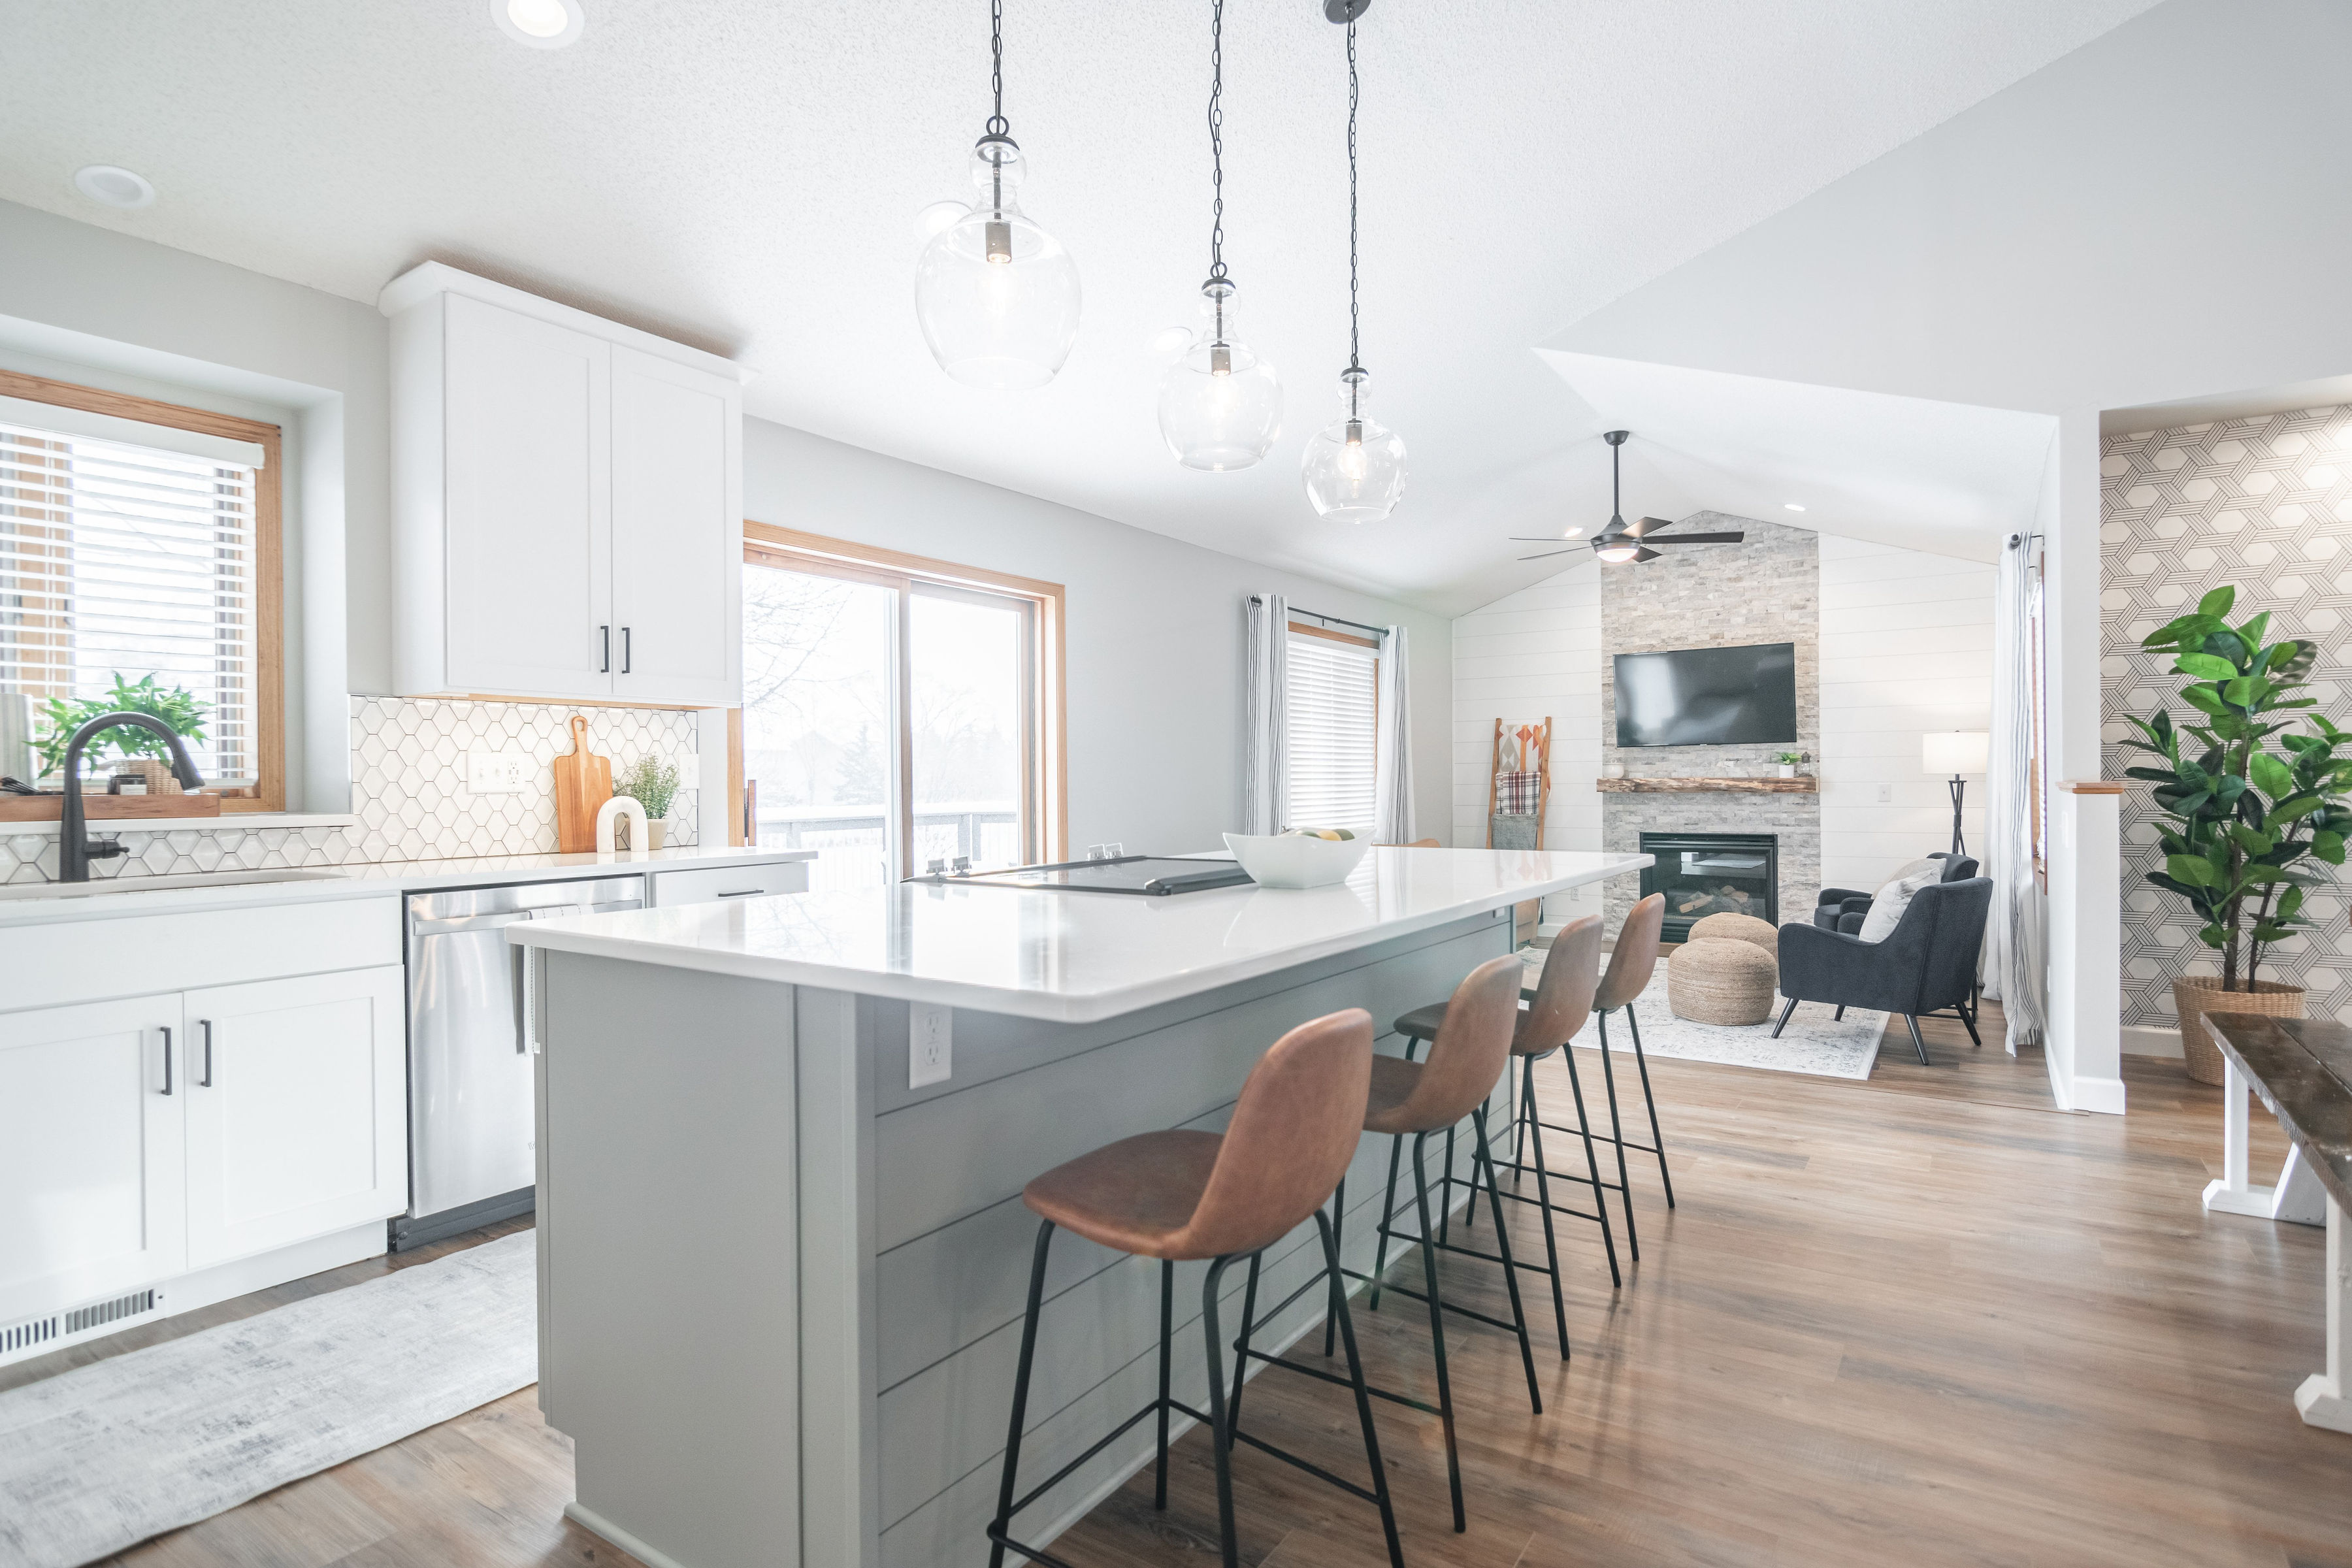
point(1906, 647)
point(1537, 652)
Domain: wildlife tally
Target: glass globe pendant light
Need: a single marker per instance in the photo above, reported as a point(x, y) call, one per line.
point(1221, 405)
point(1354, 466)
point(997, 296)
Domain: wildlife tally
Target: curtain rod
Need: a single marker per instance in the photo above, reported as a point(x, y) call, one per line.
point(1329, 620)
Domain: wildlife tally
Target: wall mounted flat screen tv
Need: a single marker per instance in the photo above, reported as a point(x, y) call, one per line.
point(1708, 696)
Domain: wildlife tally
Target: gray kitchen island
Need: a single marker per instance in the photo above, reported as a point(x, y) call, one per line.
point(781, 1285)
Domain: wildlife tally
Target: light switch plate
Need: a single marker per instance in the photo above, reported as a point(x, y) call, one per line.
point(495, 772)
point(931, 1042)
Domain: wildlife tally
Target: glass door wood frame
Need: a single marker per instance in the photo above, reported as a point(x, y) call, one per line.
point(1046, 828)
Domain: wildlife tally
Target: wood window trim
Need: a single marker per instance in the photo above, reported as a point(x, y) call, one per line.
point(268, 559)
point(1328, 634)
point(767, 544)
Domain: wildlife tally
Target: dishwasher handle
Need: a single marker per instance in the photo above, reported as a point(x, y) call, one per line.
point(419, 927)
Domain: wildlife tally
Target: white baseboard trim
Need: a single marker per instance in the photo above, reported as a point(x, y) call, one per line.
point(597, 1525)
point(2102, 1095)
point(2138, 1040)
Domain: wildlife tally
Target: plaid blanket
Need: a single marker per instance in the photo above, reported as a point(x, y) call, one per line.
point(1518, 794)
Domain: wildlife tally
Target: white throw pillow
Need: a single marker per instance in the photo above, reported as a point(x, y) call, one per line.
point(1914, 869)
point(1887, 904)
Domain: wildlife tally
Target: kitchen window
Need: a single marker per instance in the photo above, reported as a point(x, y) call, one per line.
point(897, 710)
point(1334, 710)
point(139, 548)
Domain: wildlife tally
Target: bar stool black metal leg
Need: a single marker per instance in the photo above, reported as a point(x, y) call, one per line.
point(1221, 1429)
point(1617, 1139)
point(1543, 1202)
point(1592, 1161)
point(1166, 1333)
point(1437, 1328)
point(1363, 1401)
point(1020, 1398)
point(1338, 1294)
point(1479, 1157)
point(1657, 1139)
point(1446, 1194)
point(1240, 1349)
point(1380, 1231)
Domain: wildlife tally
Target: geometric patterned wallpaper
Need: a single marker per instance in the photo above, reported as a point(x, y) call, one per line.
point(408, 791)
point(2266, 504)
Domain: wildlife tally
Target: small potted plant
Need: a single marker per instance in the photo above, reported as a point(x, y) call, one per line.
point(2240, 817)
point(143, 750)
point(652, 784)
point(1789, 762)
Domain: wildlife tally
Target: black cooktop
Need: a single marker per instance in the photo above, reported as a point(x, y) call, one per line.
point(1154, 876)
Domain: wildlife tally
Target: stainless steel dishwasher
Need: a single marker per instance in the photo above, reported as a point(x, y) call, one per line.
point(471, 1129)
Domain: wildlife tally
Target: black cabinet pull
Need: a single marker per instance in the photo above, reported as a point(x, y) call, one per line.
point(606, 668)
point(167, 1061)
point(206, 1026)
point(628, 643)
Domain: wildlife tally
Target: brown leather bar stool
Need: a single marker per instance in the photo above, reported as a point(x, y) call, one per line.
point(1472, 1043)
point(1557, 1007)
point(1630, 964)
point(1187, 1196)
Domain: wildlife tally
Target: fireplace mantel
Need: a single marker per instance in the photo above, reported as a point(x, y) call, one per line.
point(1804, 783)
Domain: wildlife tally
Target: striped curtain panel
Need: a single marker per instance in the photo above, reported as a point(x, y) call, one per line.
point(2016, 940)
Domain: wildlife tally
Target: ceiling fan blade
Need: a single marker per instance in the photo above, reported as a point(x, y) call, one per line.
point(1575, 533)
point(1704, 539)
point(1641, 527)
point(1548, 555)
point(1646, 554)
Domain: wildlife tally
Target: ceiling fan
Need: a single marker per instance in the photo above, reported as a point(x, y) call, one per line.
point(1618, 540)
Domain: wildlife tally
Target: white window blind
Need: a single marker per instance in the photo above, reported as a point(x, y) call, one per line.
point(1334, 714)
point(120, 559)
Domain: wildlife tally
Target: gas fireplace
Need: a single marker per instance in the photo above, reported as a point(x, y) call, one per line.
point(1704, 873)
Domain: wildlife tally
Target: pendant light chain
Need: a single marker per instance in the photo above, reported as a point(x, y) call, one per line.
point(1217, 139)
point(997, 124)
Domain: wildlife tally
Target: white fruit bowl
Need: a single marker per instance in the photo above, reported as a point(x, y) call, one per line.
point(1287, 861)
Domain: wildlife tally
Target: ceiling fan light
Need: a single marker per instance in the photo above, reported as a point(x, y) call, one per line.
point(1617, 554)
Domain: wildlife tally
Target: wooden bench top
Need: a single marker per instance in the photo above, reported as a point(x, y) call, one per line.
point(2303, 1069)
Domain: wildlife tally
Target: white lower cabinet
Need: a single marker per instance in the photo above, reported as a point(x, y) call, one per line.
point(296, 1109)
point(92, 1173)
point(145, 1140)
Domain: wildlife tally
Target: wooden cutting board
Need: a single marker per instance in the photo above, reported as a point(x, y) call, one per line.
point(583, 780)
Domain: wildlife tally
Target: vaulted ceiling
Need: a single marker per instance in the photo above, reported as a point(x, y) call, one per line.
point(746, 176)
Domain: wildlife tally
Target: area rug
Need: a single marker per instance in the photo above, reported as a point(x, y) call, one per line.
point(1815, 1042)
point(101, 1458)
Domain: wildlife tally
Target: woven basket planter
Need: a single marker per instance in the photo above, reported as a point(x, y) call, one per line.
point(2194, 996)
point(1721, 980)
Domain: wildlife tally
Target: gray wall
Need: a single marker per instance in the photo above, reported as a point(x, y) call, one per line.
point(1155, 630)
point(1767, 589)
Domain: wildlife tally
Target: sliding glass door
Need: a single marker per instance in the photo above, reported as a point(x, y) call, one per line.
point(890, 719)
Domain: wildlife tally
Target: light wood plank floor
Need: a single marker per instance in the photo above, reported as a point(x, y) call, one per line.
point(1923, 1319)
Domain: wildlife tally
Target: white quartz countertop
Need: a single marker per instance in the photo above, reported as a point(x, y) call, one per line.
point(1069, 957)
point(107, 898)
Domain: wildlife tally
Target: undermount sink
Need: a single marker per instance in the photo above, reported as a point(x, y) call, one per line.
point(160, 884)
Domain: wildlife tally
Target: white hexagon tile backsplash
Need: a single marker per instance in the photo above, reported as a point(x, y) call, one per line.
point(408, 791)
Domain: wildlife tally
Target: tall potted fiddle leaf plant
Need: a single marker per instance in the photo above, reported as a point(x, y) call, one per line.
point(2243, 820)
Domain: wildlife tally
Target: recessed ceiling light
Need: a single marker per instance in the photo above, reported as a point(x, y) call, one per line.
point(115, 187)
point(541, 23)
point(1792, 506)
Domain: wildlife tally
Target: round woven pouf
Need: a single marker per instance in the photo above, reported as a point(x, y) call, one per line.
point(1721, 980)
point(1739, 928)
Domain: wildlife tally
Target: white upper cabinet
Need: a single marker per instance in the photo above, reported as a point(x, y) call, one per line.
point(567, 501)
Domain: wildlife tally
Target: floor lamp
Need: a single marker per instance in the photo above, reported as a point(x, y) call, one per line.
point(1958, 753)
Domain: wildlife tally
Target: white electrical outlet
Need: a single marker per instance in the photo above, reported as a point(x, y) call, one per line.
point(495, 772)
point(1887, 794)
point(931, 1042)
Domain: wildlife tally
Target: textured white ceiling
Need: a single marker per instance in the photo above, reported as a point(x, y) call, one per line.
point(744, 176)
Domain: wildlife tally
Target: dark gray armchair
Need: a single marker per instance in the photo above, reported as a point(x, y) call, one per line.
point(1928, 963)
point(1842, 909)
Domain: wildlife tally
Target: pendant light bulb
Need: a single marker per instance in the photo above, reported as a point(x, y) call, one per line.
point(1354, 466)
point(997, 296)
point(1221, 405)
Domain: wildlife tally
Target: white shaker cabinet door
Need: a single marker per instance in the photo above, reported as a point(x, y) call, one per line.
point(677, 534)
point(527, 478)
point(90, 1153)
point(297, 1110)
